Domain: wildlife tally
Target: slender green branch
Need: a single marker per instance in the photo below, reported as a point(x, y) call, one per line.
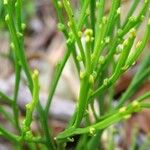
point(8, 135)
point(121, 114)
point(4, 98)
point(73, 27)
point(57, 76)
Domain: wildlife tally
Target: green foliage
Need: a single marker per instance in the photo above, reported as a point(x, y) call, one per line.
point(100, 62)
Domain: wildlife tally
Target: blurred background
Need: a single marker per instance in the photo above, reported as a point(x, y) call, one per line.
point(44, 47)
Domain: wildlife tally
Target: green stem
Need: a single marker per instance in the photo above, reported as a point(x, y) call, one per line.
point(73, 27)
point(120, 115)
point(19, 50)
point(15, 106)
point(83, 97)
point(4, 98)
point(57, 77)
point(8, 135)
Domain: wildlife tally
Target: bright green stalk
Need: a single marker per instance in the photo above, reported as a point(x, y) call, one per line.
point(43, 117)
point(102, 34)
point(127, 45)
point(21, 55)
point(18, 49)
point(59, 69)
point(17, 60)
point(84, 89)
point(73, 27)
point(139, 99)
point(17, 139)
point(125, 48)
point(99, 43)
point(119, 115)
point(31, 106)
point(57, 76)
point(15, 106)
point(16, 89)
point(132, 22)
point(86, 80)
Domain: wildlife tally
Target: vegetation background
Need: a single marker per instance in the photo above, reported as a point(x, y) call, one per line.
point(44, 47)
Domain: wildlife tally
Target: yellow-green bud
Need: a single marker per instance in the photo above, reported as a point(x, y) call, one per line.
point(127, 116)
point(136, 106)
point(119, 31)
point(87, 38)
point(5, 2)
point(89, 32)
point(138, 44)
point(69, 23)
point(119, 49)
point(79, 58)
point(107, 40)
point(16, 4)
point(132, 19)
point(118, 11)
point(35, 74)
point(133, 32)
point(29, 135)
point(122, 110)
point(79, 33)
point(82, 74)
point(12, 46)
point(97, 4)
point(91, 79)
point(92, 131)
point(7, 17)
point(60, 5)
point(124, 68)
point(19, 34)
point(101, 60)
point(106, 82)
point(61, 26)
point(125, 43)
point(69, 41)
point(23, 26)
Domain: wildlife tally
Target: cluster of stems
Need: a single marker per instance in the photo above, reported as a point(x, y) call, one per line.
point(109, 50)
